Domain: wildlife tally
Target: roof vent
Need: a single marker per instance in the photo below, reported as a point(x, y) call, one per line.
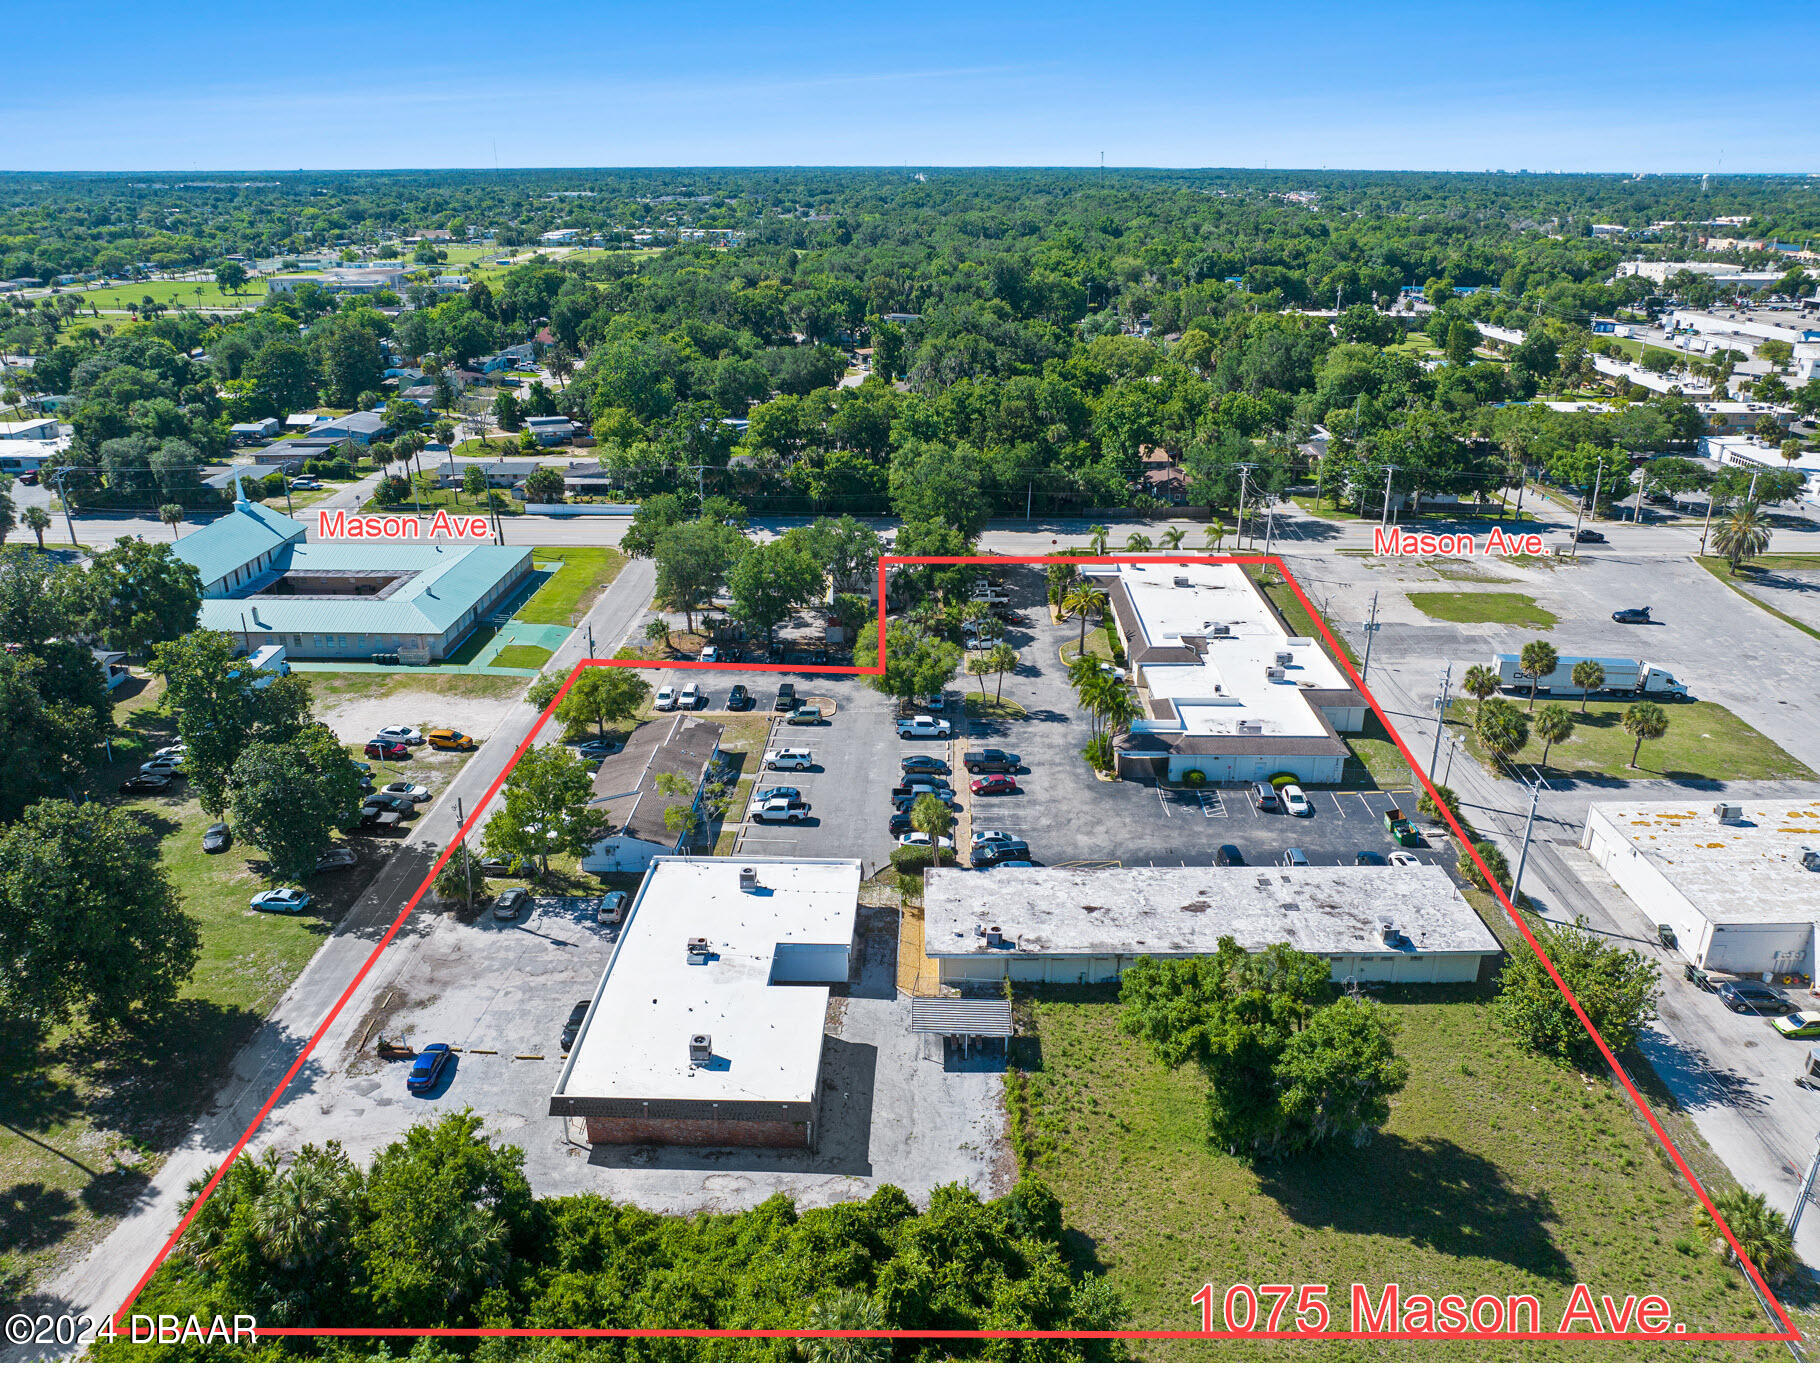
point(1729, 813)
point(748, 879)
point(1387, 930)
point(698, 951)
point(701, 1048)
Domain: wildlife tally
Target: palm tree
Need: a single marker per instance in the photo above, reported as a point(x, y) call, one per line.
point(657, 631)
point(1098, 532)
point(1137, 541)
point(303, 1216)
point(37, 519)
point(1173, 537)
point(1538, 659)
point(1089, 602)
point(1761, 1231)
point(1742, 535)
point(1588, 676)
point(1502, 727)
point(1215, 532)
point(1553, 724)
point(931, 816)
point(171, 514)
point(1115, 706)
point(1481, 681)
point(1647, 721)
point(845, 1309)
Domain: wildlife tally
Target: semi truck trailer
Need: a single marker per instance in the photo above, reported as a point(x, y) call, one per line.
point(1624, 676)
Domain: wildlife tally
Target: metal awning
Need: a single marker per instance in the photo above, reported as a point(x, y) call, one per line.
point(950, 1016)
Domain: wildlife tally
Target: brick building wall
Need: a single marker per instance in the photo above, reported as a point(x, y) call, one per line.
point(689, 1132)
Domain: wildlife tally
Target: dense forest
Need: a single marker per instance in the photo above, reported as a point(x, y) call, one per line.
point(1033, 333)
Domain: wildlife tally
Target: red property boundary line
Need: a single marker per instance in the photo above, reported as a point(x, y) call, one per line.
point(1787, 1333)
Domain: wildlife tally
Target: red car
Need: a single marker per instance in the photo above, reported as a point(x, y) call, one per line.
point(387, 749)
point(994, 783)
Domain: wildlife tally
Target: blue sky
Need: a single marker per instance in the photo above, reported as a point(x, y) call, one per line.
point(1537, 84)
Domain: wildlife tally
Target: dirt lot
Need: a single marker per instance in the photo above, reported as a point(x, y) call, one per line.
point(355, 716)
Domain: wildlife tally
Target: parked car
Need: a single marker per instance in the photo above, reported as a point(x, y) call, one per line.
point(804, 715)
point(612, 910)
point(780, 810)
point(171, 751)
point(922, 763)
point(1587, 534)
point(993, 784)
point(739, 698)
point(780, 790)
point(983, 838)
point(690, 698)
point(1404, 858)
point(1295, 857)
point(991, 761)
point(1295, 801)
point(906, 800)
point(1265, 799)
point(924, 839)
point(378, 819)
point(923, 727)
point(427, 1068)
point(148, 783)
point(390, 802)
point(980, 643)
point(416, 792)
point(511, 902)
point(287, 900)
point(499, 866)
point(997, 853)
point(900, 823)
point(1755, 997)
point(1369, 858)
point(710, 653)
point(386, 749)
point(449, 739)
point(336, 858)
point(404, 734)
point(921, 782)
point(572, 1026)
point(786, 697)
point(1229, 855)
point(1631, 616)
point(1803, 1024)
point(170, 765)
point(794, 759)
point(937, 702)
point(666, 698)
point(596, 749)
point(217, 838)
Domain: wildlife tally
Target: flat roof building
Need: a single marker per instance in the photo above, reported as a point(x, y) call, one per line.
point(1738, 881)
point(707, 1026)
point(1226, 687)
point(1083, 926)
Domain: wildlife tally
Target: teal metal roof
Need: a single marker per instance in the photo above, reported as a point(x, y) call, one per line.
point(448, 581)
point(245, 534)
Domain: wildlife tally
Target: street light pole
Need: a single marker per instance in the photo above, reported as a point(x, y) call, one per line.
point(1440, 720)
point(1529, 822)
point(1807, 1188)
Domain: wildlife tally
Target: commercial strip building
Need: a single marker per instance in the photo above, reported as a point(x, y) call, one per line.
point(1085, 926)
point(1226, 687)
point(637, 809)
point(707, 1026)
point(262, 582)
point(1738, 882)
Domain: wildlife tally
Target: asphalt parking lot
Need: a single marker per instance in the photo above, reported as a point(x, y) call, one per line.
point(1070, 817)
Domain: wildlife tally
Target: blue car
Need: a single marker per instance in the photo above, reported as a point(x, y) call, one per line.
point(428, 1068)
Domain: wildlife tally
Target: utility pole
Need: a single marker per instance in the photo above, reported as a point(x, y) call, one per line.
point(1371, 627)
point(1440, 719)
point(68, 519)
point(1516, 883)
point(590, 642)
point(1807, 1189)
point(1270, 527)
point(1244, 474)
point(467, 864)
point(1389, 471)
point(1598, 477)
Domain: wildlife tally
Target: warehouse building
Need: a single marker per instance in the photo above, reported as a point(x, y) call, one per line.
point(707, 1026)
point(333, 601)
point(1737, 882)
point(1226, 687)
point(1078, 926)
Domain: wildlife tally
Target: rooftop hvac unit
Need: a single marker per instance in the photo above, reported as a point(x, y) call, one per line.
point(1273, 674)
point(1184, 582)
point(1387, 930)
point(1251, 727)
point(698, 951)
point(1810, 860)
point(994, 938)
point(701, 1048)
point(1728, 813)
point(1221, 630)
point(748, 879)
point(1285, 658)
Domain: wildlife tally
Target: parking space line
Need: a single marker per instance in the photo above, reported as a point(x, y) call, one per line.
point(1338, 806)
point(1163, 802)
point(1211, 804)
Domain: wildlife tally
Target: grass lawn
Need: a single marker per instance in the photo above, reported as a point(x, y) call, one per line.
point(1376, 761)
point(1498, 1173)
point(181, 292)
point(1466, 606)
point(450, 500)
point(1704, 740)
point(1004, 708)
point(85, 1114)
point(522, 655)
point(378, 684)
point(571, 592)
point(1760, 570)
point(1099, 644)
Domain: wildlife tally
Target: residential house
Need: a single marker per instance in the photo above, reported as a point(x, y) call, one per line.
point(362, 427)
point(37, 428)
point(251, 432)
point(639, 827)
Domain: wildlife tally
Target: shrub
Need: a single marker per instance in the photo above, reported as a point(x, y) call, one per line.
point(1449, 799)
point(1195, 778)
point(1099, 754)
point(1280, 781)
point(1615, 986)
point(1494, 861)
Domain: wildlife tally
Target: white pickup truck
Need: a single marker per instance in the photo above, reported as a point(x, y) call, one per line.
point(923, 727)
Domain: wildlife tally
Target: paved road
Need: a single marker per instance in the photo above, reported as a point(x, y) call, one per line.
point(102, 1280)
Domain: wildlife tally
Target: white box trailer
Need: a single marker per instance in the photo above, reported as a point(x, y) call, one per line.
point(1624, 676)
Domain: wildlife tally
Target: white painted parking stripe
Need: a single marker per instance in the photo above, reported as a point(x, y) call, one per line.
point(1163, 803)
point(1337, 805)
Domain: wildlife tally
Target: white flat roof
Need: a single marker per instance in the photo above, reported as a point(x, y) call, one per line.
point(1329, 910)
point(1747, 872)
point(767, 1039)
point(1229, 684)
